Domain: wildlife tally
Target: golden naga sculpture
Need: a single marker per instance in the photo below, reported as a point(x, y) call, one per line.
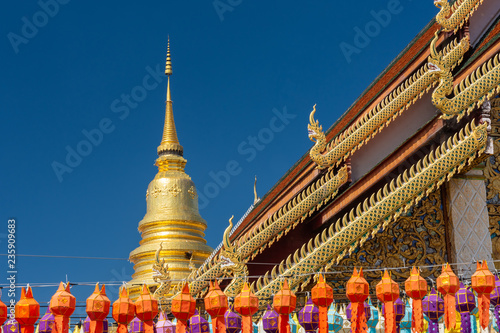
point(401, 98)
point(161, 275)
point(232, 263)
point(483, 83)
point(377, 211)
point(453, 17)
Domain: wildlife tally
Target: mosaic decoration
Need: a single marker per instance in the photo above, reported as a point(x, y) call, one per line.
point(453, 17)
point(470, 93)
point(401, 98)
point(377, 212)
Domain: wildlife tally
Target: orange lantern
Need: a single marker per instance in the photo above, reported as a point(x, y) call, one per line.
point(183, 307)
point(97, 309)
point(284, 303)
point(322, 297)
point(146, 309)
point(27, 311)
point(357, 290)
point(483, 282)
point(448, 284)
point(387, 293)
point(416, 288)
point(123, 311)
point(216, 306)
point(62, 305)
point(3, 311)
point(246, 304)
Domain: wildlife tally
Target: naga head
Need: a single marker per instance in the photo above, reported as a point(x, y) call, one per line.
point(440, 3)
point(313, 128)
point(229, 256)
point(435, 61)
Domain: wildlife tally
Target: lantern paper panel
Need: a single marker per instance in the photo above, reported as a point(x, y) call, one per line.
point(46, 323)
point(232, 321)
point(483, 282)
point(183, 307)
point(284, 302)
point(246, 304)
point(123, 311)
point(448, 284)
point(374, 317)
point(308, 316)
point(136, 326)
point(27, 311)
point(465, 304)
point(62, 305)
point(357, 290)
point(416, 289)
point(388, 292)
point(98, 305)
point(270, 320)
point(433, 307)
point(216, 305)
point(322, 297)
point(198, 324)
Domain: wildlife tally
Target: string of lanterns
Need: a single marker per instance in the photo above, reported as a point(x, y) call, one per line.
point(455, 307)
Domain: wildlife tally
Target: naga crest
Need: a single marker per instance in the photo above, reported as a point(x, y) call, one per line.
point(314, 129)
point(161, 274)
point(435, 61)
point(229, 256)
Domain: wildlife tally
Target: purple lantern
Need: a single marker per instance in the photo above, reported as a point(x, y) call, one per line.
point(309, 317)
point(495, 299)
point(270, 320)
point(136, 326)
point(366, 306)
point(164, 325)
point(433, 307)
point(86, 325)
point(232, 321)
point(399, 310)
point(198, 324)
point(11, 326)
point(465, 303)
point(105, 326)
point(46, 323)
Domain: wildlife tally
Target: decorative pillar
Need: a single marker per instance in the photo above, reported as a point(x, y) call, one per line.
point(468, 229)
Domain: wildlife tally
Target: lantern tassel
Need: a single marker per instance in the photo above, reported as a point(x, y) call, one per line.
point(122, 328)
point(484, 313)
point(390, 318)
point(61, 324)
point(180, 327)
point(358, 318)
point(284, 326)
point(450, 319)
point(417, 316)
point(465, 326)
point(218, 325)
point(96, 326)
point(323, 319)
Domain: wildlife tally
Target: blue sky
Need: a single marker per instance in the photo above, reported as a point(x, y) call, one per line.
point(68, 67)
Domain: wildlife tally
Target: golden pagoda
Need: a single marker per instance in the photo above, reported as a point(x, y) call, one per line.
point(172, 218)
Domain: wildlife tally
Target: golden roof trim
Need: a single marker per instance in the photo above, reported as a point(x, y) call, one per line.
point(372, 122)
point(461, 11)
point(378, 211)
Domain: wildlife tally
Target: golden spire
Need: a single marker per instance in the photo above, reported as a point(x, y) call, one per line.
point(169, 142)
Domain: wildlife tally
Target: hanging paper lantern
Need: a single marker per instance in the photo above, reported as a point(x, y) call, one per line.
point(97, 309)
point(406, 322)
point(46, 324)
point(448, 285)
point(3, 311)
point(335, 320)
point(322, 297)
point(495, 300)
point(27, 311)
point(164, 325)
point(357, 290)
point(11, 326)
point(146, 309)
point(183, 306)
point(216, 306)
point(346, 327)
point(433, 307)
point(232, 321)
point(198, 324)
point(86, 325)
point(388, 293)
point(416, 288)
point(483, 282)
point(270, 320)
point(399, 313)
point(123, 311)
point(246, 304)
point(136, 326)
point(105, 326)
point(308, 317)
point(465, 304)
point(374, 317)
point(62, 305)
point(284, 303)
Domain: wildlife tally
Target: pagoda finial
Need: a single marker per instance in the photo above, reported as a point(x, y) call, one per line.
point(169, 142)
